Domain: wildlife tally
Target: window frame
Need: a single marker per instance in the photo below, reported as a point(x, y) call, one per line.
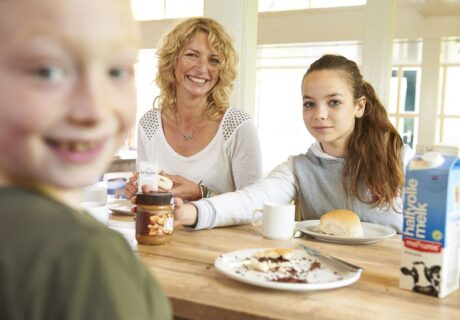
point(442, 116)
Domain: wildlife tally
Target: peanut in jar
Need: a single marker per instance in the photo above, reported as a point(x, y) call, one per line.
point(154, 218)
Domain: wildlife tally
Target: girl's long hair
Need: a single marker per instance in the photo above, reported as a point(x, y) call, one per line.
point(374, 149)
point(171, 47)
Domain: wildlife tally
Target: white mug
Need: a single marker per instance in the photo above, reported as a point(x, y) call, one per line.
point(277, 220)
point(98, 210)
point(95, 194)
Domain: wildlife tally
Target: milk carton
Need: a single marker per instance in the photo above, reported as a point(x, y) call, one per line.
point(430, 262)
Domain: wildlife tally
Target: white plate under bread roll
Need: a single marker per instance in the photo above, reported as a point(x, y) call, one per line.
point(341, 223)
point(164, 183)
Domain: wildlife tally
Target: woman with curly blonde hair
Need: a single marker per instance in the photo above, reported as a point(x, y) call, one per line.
point(357, 162)
point(201, 143)
point(169, 52)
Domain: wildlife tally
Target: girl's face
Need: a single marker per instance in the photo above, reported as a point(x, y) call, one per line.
point(66, 87)
point(329, 109)
point(197, 68)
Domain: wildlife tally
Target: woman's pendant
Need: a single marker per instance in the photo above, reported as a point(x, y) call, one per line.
point(188, 136)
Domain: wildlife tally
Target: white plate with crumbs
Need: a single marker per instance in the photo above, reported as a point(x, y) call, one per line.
point(121, 206)
point(371, 233)
point(301, 272)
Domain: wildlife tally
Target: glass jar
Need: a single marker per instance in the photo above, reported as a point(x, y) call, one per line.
point(154, 218)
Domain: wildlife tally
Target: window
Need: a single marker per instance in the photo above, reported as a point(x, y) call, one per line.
point(166, 9)
point(147, 90)
point(278, 111)
point(449, 115)
point(403, 109)
point(283, 5)
point(404, 102)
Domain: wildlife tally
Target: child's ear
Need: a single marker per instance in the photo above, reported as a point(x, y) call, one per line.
point(360, 107)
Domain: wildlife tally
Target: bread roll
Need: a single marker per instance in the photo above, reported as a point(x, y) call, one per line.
point(164, 183)
point(342, 223)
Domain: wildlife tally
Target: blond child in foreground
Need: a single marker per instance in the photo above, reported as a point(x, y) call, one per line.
point(67, 99)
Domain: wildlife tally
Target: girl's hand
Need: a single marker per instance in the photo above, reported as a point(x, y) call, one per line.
point(185, 214)
point(131, 186)
point(183, 188)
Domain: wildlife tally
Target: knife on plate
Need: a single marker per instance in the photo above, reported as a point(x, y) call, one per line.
point(325, 256)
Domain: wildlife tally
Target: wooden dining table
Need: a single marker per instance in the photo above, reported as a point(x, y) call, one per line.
point(197, 290)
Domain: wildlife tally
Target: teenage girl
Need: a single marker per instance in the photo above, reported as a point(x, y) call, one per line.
point(357, 162)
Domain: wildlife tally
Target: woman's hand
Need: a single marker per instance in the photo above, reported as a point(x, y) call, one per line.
point(183, 188)
point(131, 186)
point(185, 214)
point(144, 189)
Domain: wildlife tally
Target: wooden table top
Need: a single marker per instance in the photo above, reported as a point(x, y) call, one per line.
point(185, 269)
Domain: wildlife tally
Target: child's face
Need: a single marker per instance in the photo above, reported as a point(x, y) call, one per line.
point(329, 109)
point(67, 94)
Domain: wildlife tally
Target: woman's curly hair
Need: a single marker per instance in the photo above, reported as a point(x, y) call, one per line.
point(374, 149)
point(169, 51)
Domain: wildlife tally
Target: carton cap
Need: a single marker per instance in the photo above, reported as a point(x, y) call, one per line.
point(433, 158)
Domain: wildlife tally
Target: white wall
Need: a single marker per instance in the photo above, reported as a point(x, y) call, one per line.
point(346, 24)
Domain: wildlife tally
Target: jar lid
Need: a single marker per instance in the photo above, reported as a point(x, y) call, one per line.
point(154, 198)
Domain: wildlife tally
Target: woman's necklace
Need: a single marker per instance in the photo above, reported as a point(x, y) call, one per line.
point(186, 136)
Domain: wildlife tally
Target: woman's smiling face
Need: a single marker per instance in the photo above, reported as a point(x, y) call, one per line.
point(198, 66)
point(329, 109)
point(66, 82)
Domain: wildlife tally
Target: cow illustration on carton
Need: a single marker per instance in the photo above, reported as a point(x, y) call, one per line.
point(426, 280)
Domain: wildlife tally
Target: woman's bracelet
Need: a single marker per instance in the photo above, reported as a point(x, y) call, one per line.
point(205, 191)
point(201, 190)
point(200, 186)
